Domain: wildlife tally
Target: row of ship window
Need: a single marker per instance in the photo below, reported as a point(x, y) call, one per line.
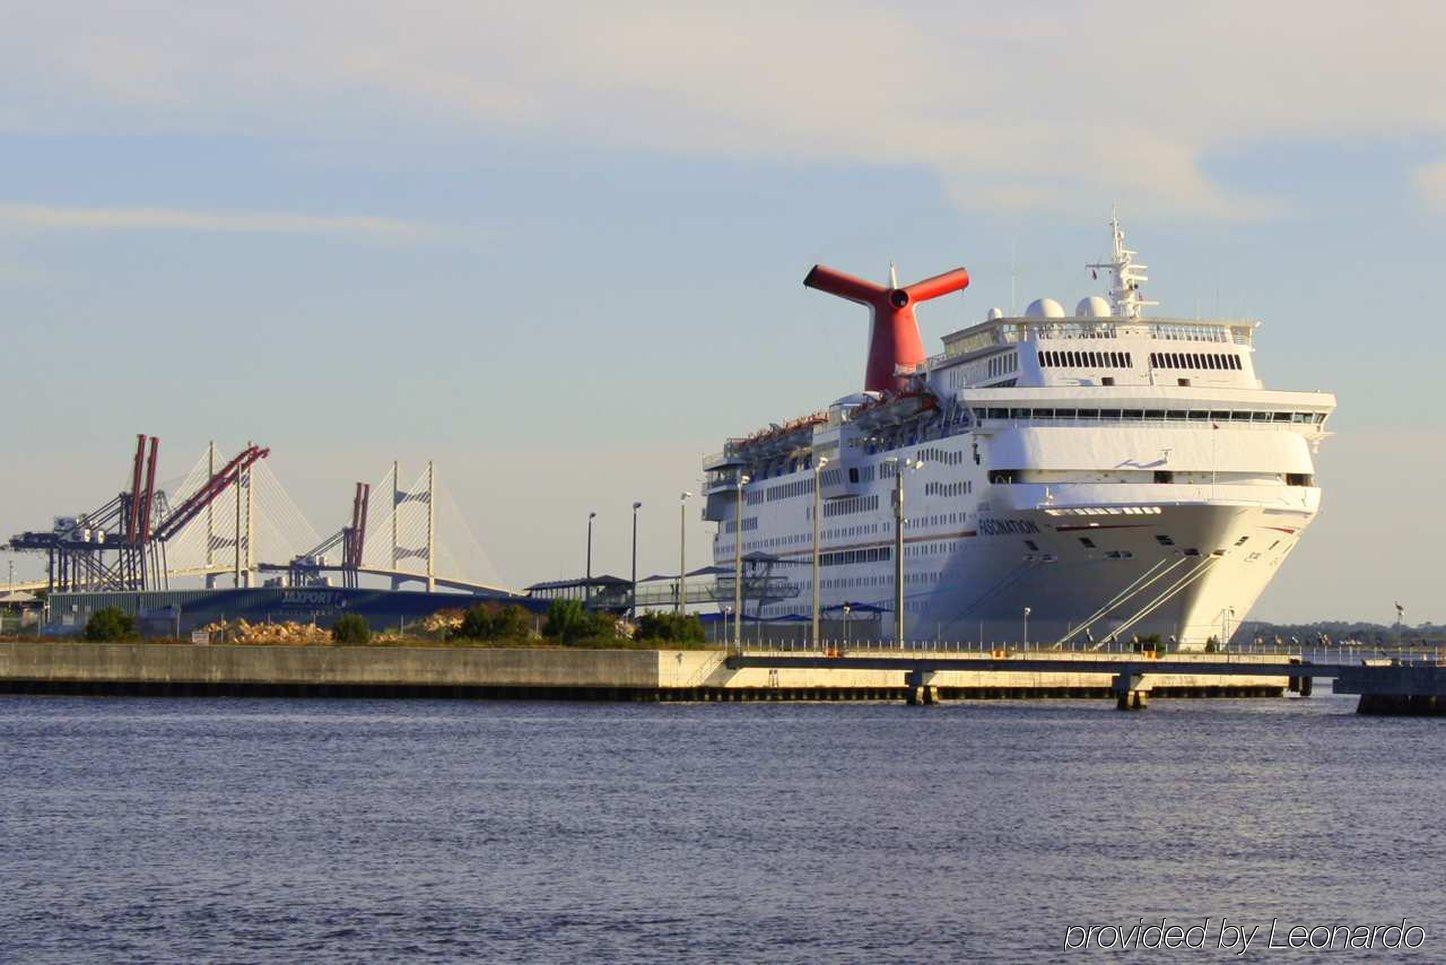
point(852, 504)
point(1074, 359)
point(750, 523)
point(872, 529)
point(1196, 360)
point(1153, 415)
point(1052, 358)
point(856, 475)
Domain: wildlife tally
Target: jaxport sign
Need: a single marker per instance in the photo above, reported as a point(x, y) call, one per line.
point(327, 599)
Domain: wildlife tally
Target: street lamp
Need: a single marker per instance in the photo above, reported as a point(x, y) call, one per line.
point(683, 552)
point(587, 590)
point(900, 465)
point(633, 602)
point(817, 512)
point(847, 609)
point(1026, 628)
point(739, 483)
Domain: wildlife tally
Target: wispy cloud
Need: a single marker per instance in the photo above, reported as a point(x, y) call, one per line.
point(64, 218)
point(1044, 106)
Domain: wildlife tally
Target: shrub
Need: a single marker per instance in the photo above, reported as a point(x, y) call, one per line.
point(110, 623)
point(568, 621)
point(1149, 642)
point(352, 629)
point(670, 628)
point(490, 621)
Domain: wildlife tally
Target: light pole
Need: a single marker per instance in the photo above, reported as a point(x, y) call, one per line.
point(633, 600)
point(847, 609)
point(741, 481)
point(683, 552)
point(1226, 616)
point(587, 590)
point(817, 512)
point(1026, 628)
point(900, 465)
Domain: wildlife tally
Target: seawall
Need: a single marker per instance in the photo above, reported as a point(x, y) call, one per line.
point(72, 667)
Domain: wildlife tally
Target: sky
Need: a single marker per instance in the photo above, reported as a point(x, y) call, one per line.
point(557, 247)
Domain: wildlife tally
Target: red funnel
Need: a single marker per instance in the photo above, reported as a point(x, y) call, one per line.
point(894, 336)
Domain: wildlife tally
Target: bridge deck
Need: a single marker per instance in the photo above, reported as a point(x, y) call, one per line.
point(1131, 664)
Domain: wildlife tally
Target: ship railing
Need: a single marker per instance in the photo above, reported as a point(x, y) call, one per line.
point(1197, 422)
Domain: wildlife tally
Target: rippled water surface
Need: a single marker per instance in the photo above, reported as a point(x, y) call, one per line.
point(249, 830)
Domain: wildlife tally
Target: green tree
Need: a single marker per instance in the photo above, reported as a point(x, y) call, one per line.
point(1150, 641)
point(670, 628)
point(568, 621)
point(351, 629)
point(491, 621)
point(110, 623)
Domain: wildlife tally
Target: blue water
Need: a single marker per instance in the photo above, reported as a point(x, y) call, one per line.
point(255, 830)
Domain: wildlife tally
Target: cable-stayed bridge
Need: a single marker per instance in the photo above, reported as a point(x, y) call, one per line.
point(230, 521)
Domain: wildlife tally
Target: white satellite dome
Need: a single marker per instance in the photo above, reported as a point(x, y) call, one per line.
point(1044, 308)
point(1094, 306)
point(995, 313)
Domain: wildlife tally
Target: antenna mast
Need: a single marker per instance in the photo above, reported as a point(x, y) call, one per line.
point(1126, 300)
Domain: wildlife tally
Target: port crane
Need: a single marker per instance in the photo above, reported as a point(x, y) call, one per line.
point(121, 545)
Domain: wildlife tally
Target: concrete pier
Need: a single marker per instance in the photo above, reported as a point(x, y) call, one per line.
point(175, 669)
point(1398, 689)
point(1131, 691)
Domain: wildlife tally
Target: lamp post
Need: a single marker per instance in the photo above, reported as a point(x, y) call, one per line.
point(741, 481)
point(633, 599)
point(587, 590)
point(1226, 616)
point(817, 512)
point(1026, 628)
point(683, 552)
point(847, 609)
point(900, 465)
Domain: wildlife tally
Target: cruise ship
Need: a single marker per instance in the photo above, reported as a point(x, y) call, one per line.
point(1072, 481)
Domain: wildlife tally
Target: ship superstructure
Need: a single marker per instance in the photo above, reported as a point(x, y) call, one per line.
point(1076, 479)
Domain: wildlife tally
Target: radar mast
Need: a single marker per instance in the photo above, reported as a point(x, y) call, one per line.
point(1126, 300)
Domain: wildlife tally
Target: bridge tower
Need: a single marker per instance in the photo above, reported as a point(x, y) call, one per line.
point(424, 495)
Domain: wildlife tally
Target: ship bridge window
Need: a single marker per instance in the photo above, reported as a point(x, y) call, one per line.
point(1299, 479)
point(1196, 360)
